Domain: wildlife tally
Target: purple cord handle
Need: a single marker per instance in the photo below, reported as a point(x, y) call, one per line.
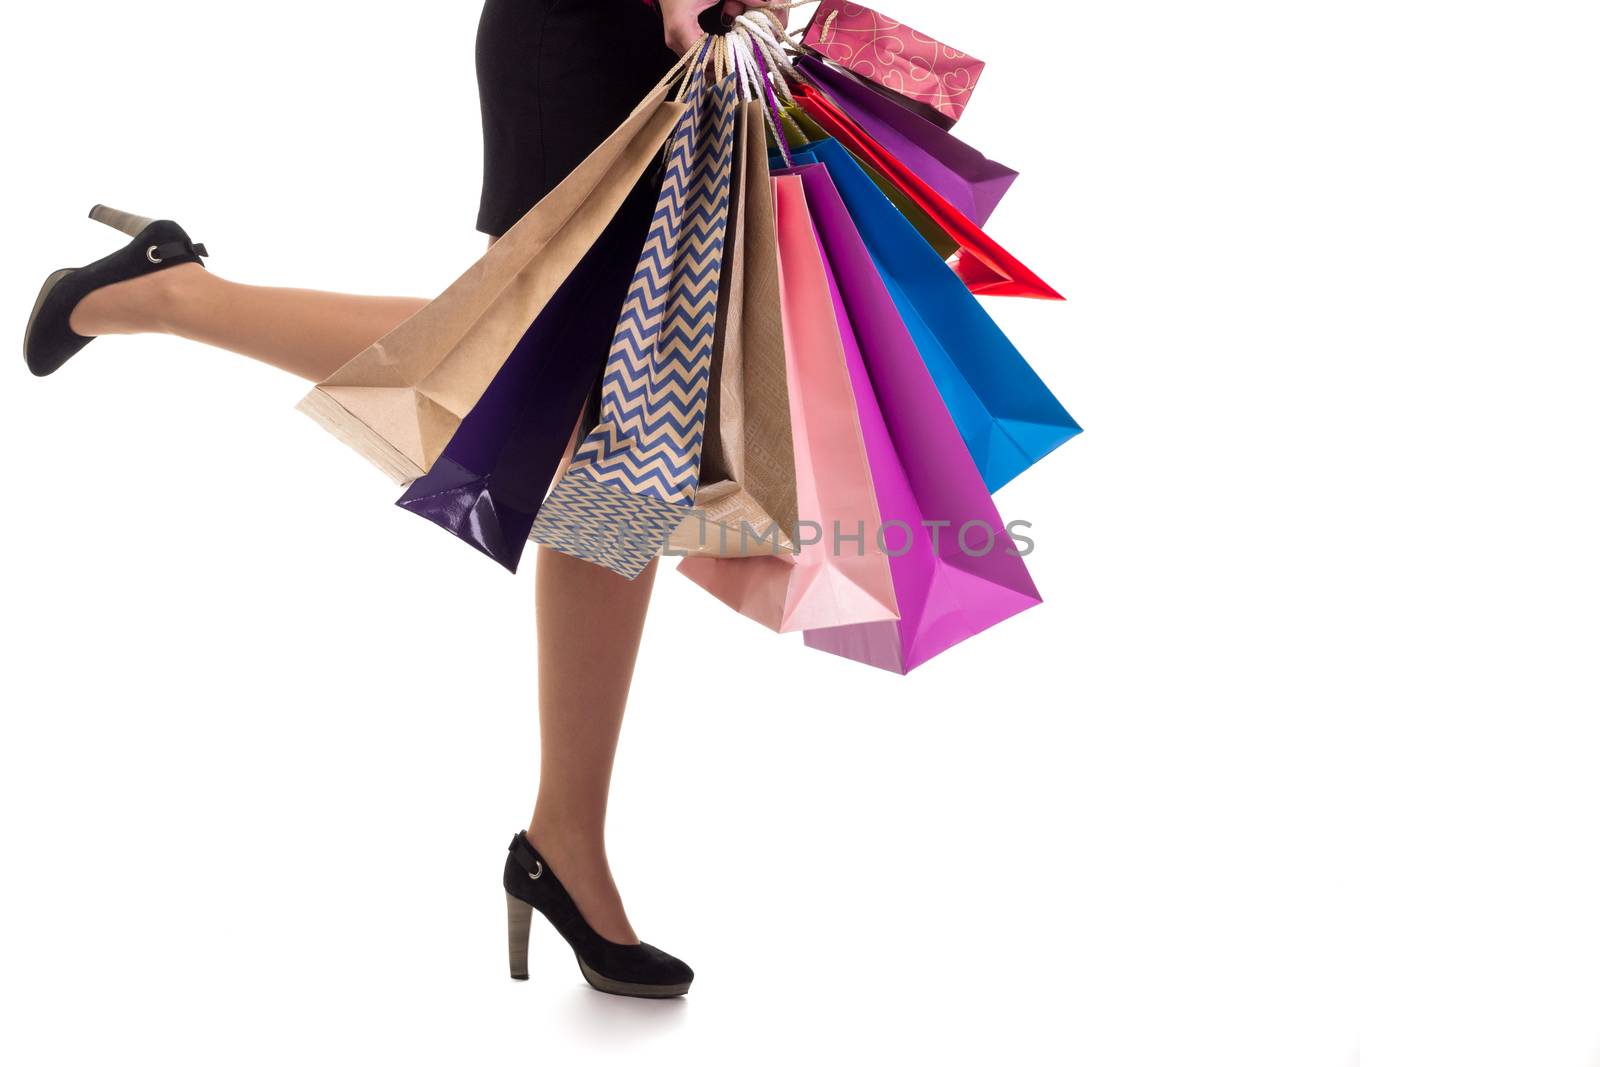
point(772, 105)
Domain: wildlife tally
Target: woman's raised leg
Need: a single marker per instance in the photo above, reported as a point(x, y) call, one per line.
point(302, 331)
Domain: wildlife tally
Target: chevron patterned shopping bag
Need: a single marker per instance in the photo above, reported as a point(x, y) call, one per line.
point(634, 477)
point(487, 485)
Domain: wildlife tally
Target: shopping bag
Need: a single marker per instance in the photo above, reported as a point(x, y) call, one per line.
point(1006, 414)
point(746, 501)
point(981, 263)
point(805, 129)
point(399, 402)
point(894, 55)
point(487, 485)
point(633, 479)
point(972, 183)
point(841, 573)
point(918, 108)
point(956, 569)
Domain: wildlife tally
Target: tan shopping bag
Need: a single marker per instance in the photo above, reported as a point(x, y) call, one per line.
point(399, 402)
point(746, 502)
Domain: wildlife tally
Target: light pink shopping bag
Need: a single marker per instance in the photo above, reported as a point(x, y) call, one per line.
point(840, 575)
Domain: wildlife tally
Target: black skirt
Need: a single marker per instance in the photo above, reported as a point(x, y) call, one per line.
point(555, 78)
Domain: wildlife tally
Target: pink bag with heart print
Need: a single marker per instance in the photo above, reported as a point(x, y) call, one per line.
point(895, 56)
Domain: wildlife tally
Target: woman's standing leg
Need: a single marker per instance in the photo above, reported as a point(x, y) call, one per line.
point(590, 622)
point(555, 79)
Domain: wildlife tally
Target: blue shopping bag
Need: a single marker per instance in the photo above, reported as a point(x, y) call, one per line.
point(1007, 416)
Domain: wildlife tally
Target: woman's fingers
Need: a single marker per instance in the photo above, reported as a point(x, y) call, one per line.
point(679, 37)
point(782, 13)
point(681, 20)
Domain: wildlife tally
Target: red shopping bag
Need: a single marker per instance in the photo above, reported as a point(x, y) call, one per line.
point(980, 262)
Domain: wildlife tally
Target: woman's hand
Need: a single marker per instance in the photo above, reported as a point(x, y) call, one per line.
point(735, 8)
point(682, 18)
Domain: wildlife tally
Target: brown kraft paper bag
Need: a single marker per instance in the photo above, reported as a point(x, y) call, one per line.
point(746, 502)
point(399, 402)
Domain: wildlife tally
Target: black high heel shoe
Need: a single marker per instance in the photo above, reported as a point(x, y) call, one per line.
point(626, 970)
point(157, 244)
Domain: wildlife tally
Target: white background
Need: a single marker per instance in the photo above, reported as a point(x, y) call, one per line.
point(1297, 765)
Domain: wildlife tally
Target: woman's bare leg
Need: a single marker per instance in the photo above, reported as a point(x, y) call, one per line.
point(302, 331)
point(590, 620)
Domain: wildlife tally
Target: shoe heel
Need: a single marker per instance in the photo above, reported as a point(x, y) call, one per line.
point(132, 225)
point(519, 923)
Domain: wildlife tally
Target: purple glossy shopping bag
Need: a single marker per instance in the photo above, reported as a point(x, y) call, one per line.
point(972, 183)
point(487, 485)
point(956, 570)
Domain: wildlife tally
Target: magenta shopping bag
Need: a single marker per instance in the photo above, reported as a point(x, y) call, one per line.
point(972, 183)
point(956, 570)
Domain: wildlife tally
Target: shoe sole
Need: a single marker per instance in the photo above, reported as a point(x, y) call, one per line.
point(519, 915)
point(44, 294)
point(630, 989)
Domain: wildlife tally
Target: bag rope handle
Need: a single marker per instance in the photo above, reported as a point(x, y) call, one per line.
point(753, 84)
point(761, 35)
point(755, 52)
point(772, 105)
